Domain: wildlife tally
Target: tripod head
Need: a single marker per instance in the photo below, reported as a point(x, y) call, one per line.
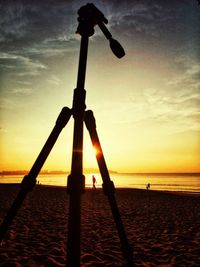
point(89, 16)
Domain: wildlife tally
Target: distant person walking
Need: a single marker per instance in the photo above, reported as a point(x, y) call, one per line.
point(148, 186)
point(94, 181)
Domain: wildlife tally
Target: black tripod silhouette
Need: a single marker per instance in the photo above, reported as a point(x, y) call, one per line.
point(89, 16)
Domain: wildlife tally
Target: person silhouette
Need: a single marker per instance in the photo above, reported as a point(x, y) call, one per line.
point(94, 182)
point(148, 186)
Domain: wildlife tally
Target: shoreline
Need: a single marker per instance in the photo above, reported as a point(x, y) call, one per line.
point(162, 228)
point(178, 192)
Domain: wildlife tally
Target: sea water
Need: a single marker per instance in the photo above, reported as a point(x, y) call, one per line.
point(164, 182)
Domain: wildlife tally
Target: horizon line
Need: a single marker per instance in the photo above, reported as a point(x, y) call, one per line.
point(88, 170)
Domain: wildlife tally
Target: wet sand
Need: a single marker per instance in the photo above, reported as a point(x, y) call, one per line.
point(163, 228)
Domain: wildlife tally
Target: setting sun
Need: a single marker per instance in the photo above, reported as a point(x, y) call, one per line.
point(96, 151)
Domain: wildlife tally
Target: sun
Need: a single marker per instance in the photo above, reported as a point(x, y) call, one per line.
point(96, 151)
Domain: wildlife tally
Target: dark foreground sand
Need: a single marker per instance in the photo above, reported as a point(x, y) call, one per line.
point(163, 228)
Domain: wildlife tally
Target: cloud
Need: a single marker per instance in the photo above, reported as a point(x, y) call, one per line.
point(54, 80)
point(11, 23)
point(7, 103)
point(48, 27)
point(28, 22)
point(24, 83)
point(155, 22)
point(159, 110)
point(137, 18)
point(23, 91)
point(188, 78)
point(21, 65)
point(52, 47)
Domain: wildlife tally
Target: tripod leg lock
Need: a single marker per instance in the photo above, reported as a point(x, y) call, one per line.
point(79, 102)
point(108, 188)
point(75, 185)
point(64, 117)
point(28, 183)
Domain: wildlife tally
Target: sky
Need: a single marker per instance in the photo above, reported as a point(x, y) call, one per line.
point(146, 104)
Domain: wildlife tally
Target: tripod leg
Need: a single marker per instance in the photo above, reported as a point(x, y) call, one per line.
point(29, 180)
point(109, 189)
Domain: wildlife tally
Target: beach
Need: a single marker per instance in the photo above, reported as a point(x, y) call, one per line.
point(163, 228)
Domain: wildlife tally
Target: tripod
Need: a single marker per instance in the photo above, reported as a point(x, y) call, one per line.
point(89, 16)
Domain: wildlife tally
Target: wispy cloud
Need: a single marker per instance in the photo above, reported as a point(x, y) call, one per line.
point(22, 91)
point(24, 83)
point(33, 22)
point(159, 110)
point(22, 65)
point(7, 103)
point(157, 21)
point(52, 47)
point(139, 17)
point(54, 80)
point(13, 23)
point(188, 79)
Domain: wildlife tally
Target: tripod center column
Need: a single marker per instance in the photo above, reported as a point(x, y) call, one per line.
point(76, 180)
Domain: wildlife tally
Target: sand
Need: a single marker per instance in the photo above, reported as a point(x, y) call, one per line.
point(163, 228)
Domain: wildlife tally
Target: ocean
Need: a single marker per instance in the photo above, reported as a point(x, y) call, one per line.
point(164, 182)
